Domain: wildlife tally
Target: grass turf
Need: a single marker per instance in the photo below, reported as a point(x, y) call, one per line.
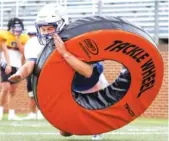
point(141, 129)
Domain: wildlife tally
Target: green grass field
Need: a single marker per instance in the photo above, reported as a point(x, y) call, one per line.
point(40, 130)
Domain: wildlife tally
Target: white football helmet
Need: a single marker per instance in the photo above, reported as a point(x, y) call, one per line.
point(50, 15)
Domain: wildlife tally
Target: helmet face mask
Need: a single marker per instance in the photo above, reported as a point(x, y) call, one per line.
point(49, 16)
point(16, 29)
point(45, 37)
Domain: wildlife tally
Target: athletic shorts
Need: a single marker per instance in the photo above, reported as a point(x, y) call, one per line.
point(4, 76)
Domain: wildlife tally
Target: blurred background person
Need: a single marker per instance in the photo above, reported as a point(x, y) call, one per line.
point(4, 49)
point(14, 40)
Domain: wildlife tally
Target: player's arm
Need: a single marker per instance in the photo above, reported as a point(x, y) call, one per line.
point(21, 48)
point(8, 68)
point(30, 53)
point(78, 65)
point(22, 55)
point(23, 72)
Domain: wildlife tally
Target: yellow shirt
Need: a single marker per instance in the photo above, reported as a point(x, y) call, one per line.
point(11, 39)
point(1, 39)
point(14, 53)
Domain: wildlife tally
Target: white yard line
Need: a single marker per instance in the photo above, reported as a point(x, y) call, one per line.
point(57, 133)
point(128, 130)
point(26, 124)
point(128, 127)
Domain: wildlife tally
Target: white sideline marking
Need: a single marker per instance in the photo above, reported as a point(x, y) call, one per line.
point(57, 133)
point(128, 128)
point(25, 124)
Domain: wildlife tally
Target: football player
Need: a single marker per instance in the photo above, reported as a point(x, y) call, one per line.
point(49, 23)
point(14, 41)
point(33, 115)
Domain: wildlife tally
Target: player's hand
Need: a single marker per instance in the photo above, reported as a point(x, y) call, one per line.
point(8, 69)
point(17, 77)
point(59, 44)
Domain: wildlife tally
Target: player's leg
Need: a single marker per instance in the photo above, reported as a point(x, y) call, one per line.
point(5, 85)
point(11, 102)
point(11, 95)
point(3, 96)
point(32, 105)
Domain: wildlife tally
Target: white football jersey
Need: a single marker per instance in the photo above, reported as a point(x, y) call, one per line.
point(33, 48)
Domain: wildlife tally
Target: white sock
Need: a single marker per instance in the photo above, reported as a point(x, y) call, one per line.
point(1, 110)
point(31, 94)
point(32, 113)
point(38, 112)
point(11, 112)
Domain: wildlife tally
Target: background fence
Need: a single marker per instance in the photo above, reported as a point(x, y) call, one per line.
point(152, 15)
